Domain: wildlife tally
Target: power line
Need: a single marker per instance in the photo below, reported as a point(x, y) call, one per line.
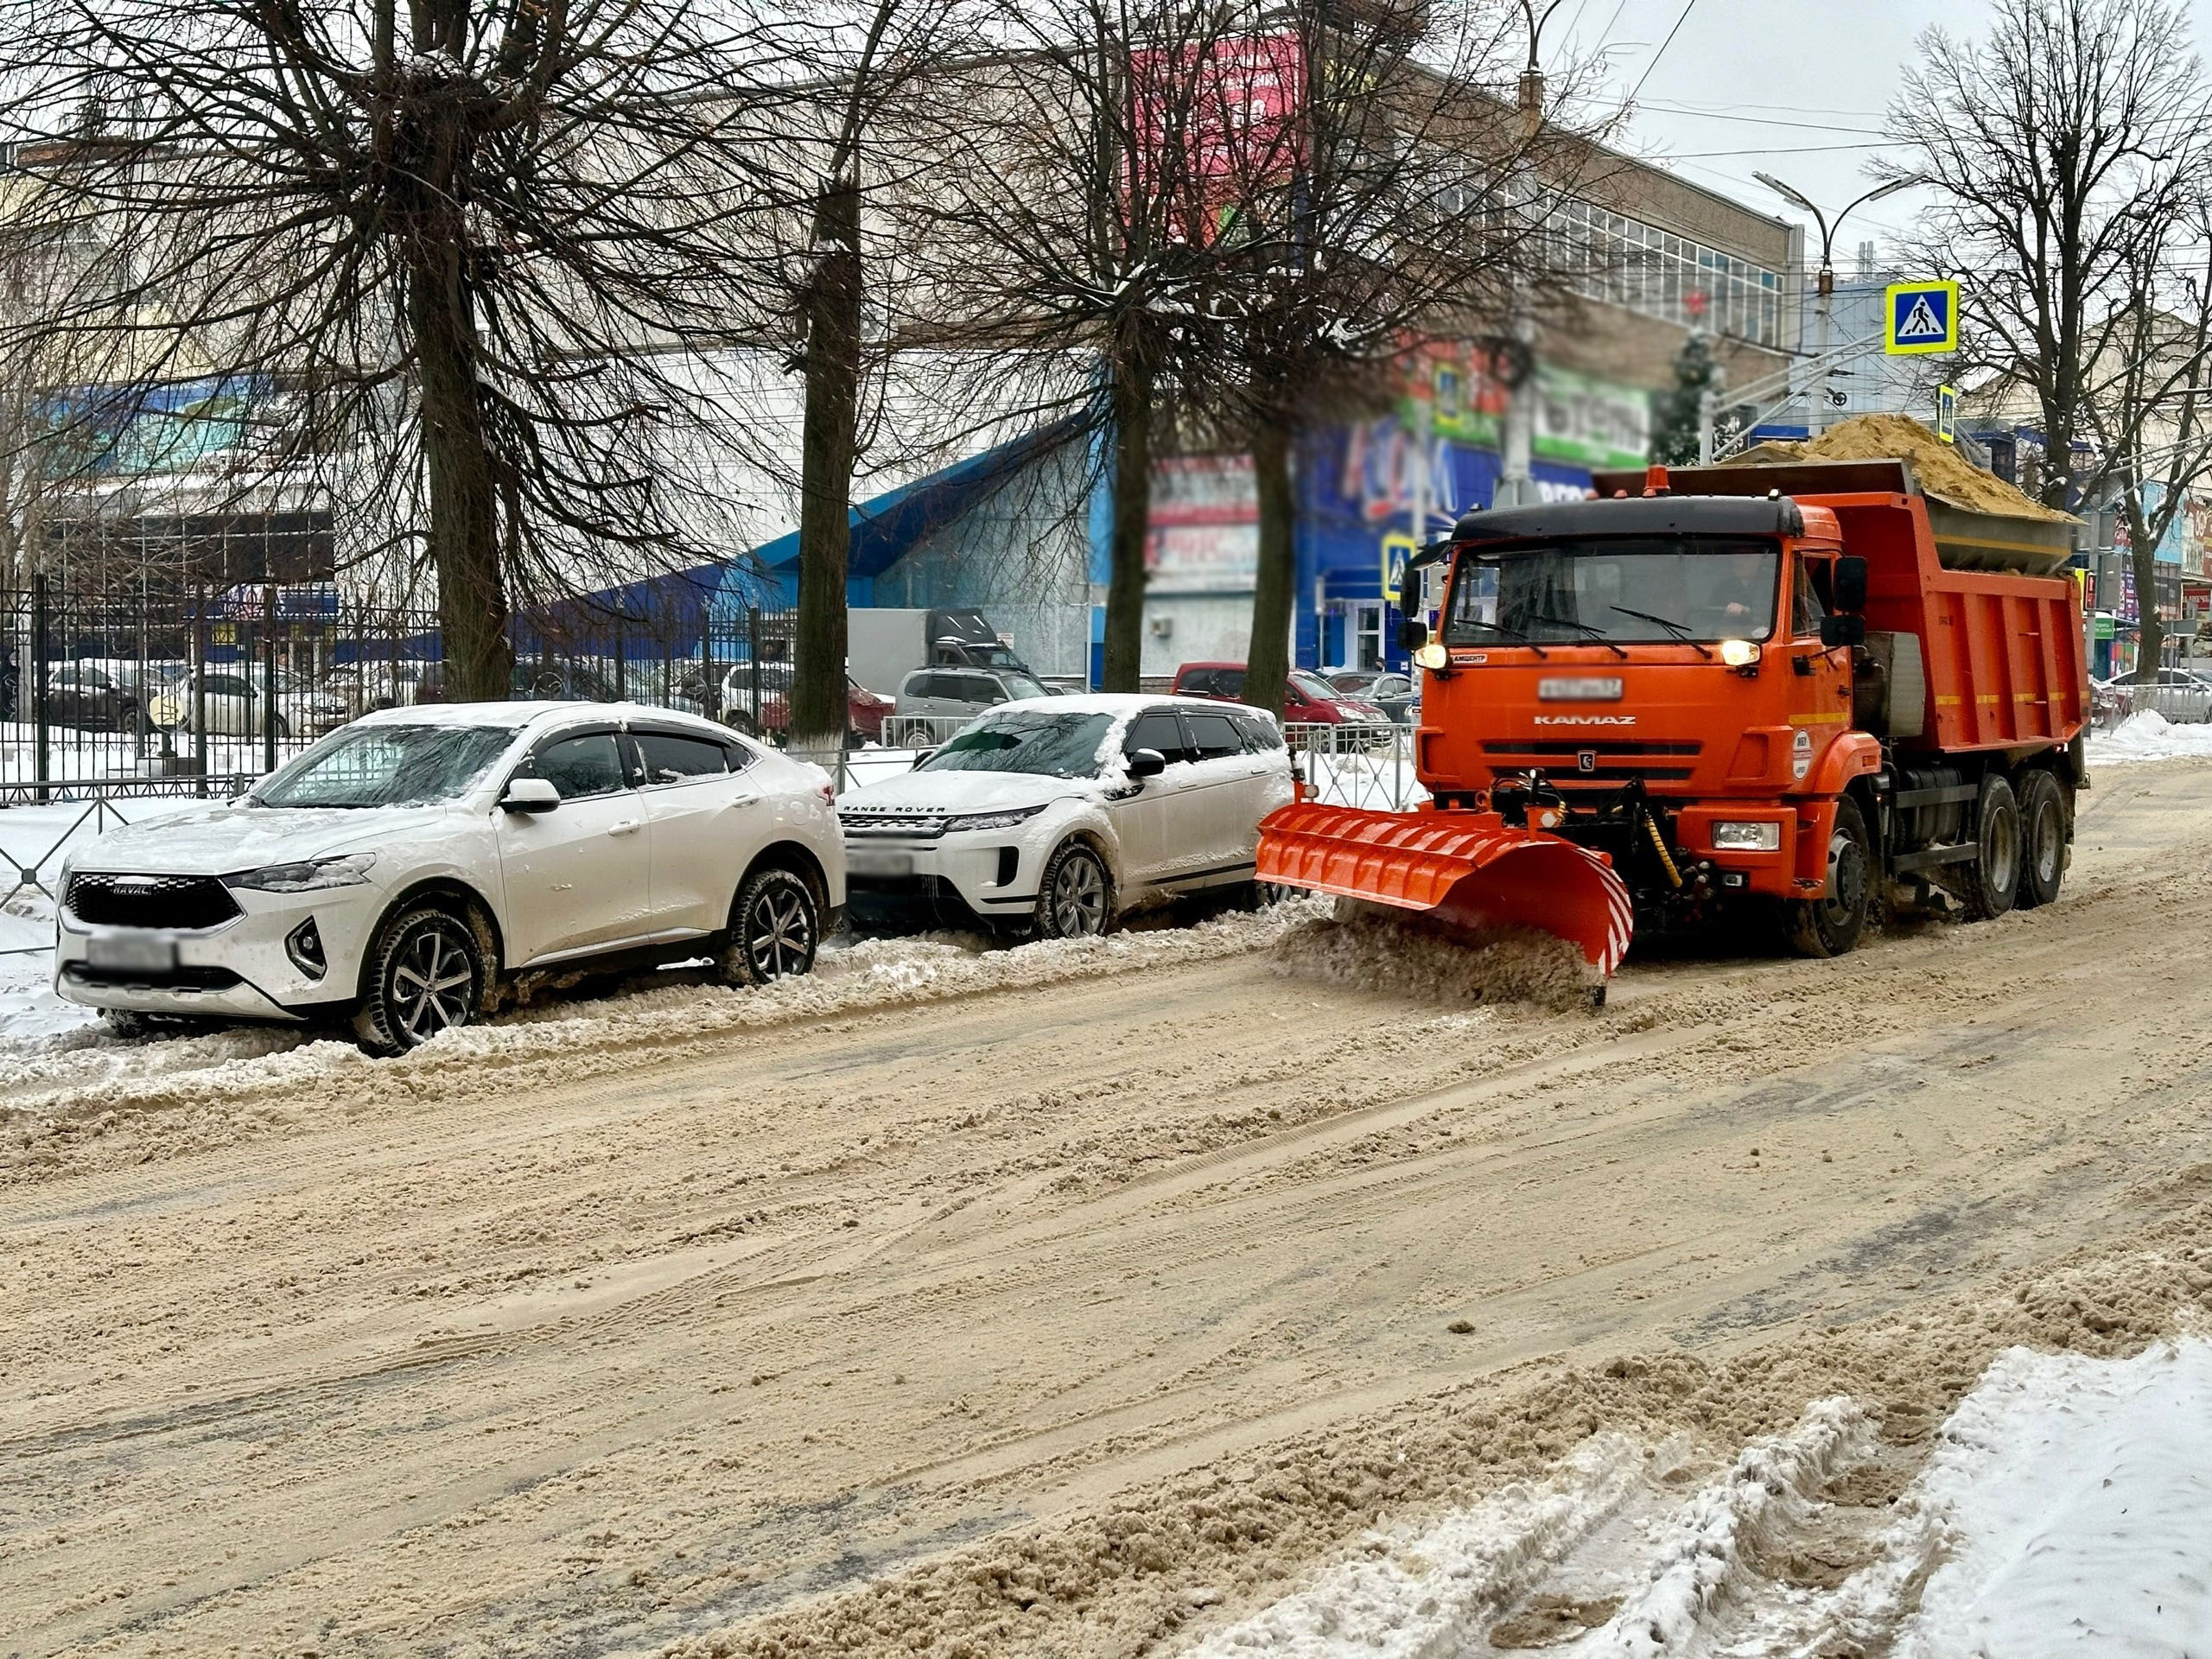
point(1688, 7)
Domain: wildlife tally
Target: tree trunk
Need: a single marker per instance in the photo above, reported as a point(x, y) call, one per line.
point(464, 536)
point(1132, 400)
point(818, 713)
point(1274, 586)
point(2150, 633)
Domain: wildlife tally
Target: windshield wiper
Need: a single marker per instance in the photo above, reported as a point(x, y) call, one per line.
point(1589, 629)
point(1680, 630)
point(1499, 628)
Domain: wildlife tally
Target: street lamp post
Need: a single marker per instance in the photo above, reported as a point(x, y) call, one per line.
point(1816, 419)
point(1516, 484)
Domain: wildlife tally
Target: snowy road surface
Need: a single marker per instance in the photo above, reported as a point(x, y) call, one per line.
point(1091, 1301)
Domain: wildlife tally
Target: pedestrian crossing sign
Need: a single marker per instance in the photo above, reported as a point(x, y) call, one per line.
point(1397, 548)
point(1923, 319)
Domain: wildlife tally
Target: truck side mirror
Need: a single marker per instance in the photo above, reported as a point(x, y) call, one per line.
point(1413, 634)
point(1849, 584)
point(1842, 630)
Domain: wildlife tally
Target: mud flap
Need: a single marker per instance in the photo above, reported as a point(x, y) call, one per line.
point(1462, 870)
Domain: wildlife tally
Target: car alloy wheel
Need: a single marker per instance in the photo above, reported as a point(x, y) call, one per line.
point(429, 976)
point(775, 929)
point(434, 982)
point(1076, 904)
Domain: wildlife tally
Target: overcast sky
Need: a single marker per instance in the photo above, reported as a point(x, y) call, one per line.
point(1789, 87)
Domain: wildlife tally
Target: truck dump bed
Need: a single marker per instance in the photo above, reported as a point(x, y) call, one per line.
point(2001, 648)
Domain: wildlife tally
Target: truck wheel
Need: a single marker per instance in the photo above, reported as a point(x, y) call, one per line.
point(1831, 925)
point(1992, 881)
point(2043, 839)
point(1074, 901)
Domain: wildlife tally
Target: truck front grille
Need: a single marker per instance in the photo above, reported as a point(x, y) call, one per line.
point(165, 901)
point(1562, 760)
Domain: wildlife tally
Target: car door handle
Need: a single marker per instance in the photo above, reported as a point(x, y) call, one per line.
point(744, 800)
point(628, 826)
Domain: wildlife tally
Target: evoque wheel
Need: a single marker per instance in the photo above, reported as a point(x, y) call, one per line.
point(426, 974)
point(774, 928)
point(1075, 900)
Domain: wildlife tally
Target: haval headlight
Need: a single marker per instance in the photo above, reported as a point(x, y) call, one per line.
point(347, 870)
point(1762, 837)
point(1005, 820)
point(1433, 655)
point(1738, 653)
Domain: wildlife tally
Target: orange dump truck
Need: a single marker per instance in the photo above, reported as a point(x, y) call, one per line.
point(1808, 690)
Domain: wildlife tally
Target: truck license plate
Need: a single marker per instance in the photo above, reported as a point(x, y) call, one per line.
point(133, 952)
point(879, 862)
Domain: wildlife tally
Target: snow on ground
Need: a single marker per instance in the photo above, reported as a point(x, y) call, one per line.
point(2150, 736)
point(2066, 1508)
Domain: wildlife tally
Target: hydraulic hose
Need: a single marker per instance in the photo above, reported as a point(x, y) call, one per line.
point(1659, 846)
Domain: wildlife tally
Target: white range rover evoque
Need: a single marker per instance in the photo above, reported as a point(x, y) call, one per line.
point(1056, 816)
point(412, 867)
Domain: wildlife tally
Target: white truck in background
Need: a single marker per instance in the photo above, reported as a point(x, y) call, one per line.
point(883, 646)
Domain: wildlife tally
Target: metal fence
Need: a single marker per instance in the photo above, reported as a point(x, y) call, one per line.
point(112, 693)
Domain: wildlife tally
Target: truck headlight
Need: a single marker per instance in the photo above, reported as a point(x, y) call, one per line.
point(349, 870)
point(1433, 655)
point(1005, 820)
point(1765, 837)
point(1738, 653)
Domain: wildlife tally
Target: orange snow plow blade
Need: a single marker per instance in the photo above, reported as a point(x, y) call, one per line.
point(1467, 870)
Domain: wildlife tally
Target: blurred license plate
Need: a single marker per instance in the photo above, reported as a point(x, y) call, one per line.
point(873, 860)
point(136, 953)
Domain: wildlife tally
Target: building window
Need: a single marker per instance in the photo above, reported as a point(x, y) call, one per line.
point(1661, 274)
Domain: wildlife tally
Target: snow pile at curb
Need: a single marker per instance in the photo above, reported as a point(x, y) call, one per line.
point(872, 976)
point(1429, 1595)
point(2150, 736)
point(2075, 1499)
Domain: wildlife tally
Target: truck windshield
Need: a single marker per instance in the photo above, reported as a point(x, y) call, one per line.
point(1022, 740)
point(1630, 590)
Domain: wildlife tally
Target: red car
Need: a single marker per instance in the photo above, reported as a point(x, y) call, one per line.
point(1308, 700)
point(864, 710)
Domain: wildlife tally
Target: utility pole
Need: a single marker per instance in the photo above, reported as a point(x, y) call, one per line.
point(1816, 397)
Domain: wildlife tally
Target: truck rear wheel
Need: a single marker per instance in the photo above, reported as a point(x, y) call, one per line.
point(1831, 925)
point(2043, 839)
point(1992, 881)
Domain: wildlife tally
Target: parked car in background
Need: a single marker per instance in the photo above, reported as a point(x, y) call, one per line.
point(409, 870)
point(2183, 695)
point(883, 644)
point(1308, 700)
point(962, 692)
point(1388, 690)
point(769, 715)
point(1058, 817)
point(230, 700)
point(91, 698)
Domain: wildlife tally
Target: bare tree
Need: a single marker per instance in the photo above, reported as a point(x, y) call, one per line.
point(1072, 224)
point(467, 246)
point(2063, 146)
point(1404, 197)
point(2149, 413)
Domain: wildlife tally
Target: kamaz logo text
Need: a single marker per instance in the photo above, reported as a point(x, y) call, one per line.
point(1586, 720)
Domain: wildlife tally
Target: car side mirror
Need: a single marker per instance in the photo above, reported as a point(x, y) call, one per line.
point(1842, 631)
point(921, 755)
point(531, 795)
point(1146, 763)
point(1413, 634)
point(1849, 584)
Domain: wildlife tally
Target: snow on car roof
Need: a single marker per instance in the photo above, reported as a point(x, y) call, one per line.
point(1126, 702)
point(516, 716)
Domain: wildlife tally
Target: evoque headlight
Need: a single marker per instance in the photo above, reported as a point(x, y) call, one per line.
point(1005, 820)
point(347, 870)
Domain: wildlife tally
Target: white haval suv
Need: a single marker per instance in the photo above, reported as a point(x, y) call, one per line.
point(413, 867)
point(1056, 816)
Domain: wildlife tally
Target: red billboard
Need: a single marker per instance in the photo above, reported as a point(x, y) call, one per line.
point(1213, 121)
